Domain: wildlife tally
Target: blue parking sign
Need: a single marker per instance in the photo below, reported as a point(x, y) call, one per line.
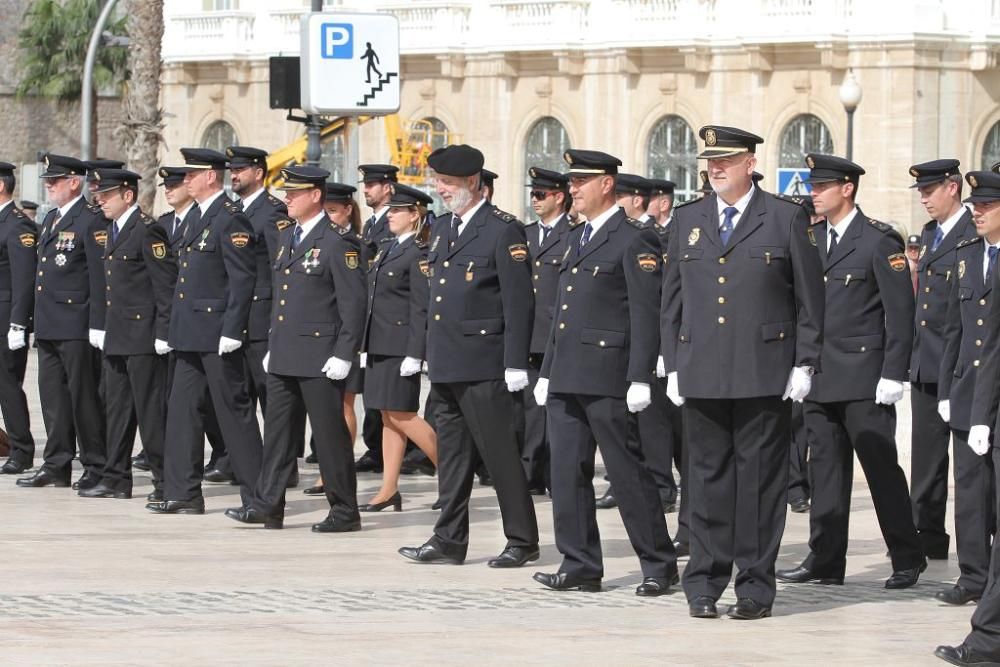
point(792, 182)
point(337, 40)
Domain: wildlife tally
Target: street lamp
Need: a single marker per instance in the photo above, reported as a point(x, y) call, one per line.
point(850, 97)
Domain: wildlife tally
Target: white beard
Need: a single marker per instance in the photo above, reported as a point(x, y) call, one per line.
point(459, 201)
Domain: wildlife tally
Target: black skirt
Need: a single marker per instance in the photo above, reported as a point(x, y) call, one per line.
point(386, 390)
point(355, 380)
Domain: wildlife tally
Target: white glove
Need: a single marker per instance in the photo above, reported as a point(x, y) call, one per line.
point(363, 360)
point(661, 368)
point(979, 439)
point(541, 391)
point(516, 379)
point(227, 345)
point(16, 339)
point(267, 358)
point(336, 369)
point(96, 338)
point(410, 366)
point(161, 346)
point(673, 390)
point(637, 398)
point(799, 384)
point(944, 409)
point(888, 392)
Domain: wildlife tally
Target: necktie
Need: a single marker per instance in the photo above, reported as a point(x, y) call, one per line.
point(455, 222)
point(726, 230)
point(992, 252)
point(585, 237)
point(296, 236)
point(55, 221)
point(177, 224)
point(368, 226)
point(114, 232)
point(545, 232)
point(938, 237)
point(833, 242)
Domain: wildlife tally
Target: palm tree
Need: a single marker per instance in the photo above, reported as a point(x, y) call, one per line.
point(53, 44)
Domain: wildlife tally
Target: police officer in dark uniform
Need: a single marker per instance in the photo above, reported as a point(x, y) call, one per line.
point(140, 272)
point(316, 325)
point(208, 321)
point(982, 645)
point(478, 335)
point(29, 208)
point(546, 244)
point(69, 324)
point(940, 193)
point(742, 331)
point(866, 350)
point(18, 247)
point(599, 360)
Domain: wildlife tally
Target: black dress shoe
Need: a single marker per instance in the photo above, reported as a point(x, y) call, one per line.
point(43, 477)
point(107, 490)
point(430, 552)
point(317, 490)
point(155, 496)
point(957, 595)
point(485, 479)
point(803, 575)
point(652, 587)
point(250, 515)
point(87, 481)
point(396, 502)
point(425, 467)
point(196, 506)
point(746, 609)
point(293, 481)
point(682, 549)
point(607, 501)
point(140, 462)
point(702, 607)
point(799, 505)
point(537, 490)
point(12, 467)
point(407, 468)
point(438, 504)
point(312, 458)
point(368, 463)
point(216, 476)
point(964, 655)
point(560, 581)
point(330, 525)
point(515, 557)
point(905, 578)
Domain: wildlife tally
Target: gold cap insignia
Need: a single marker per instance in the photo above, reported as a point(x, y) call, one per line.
point(710, 138)
point(229, 152)
point(914, 173)
point(972, 181)
point(810, 162)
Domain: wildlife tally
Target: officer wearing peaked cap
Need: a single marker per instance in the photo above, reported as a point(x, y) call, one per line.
point(478, 335)
point(69, 325)
point(30, 208)
point(18, 244)
point(208, 322)
point(939, 184)
point(742, 322)
point(489, 181)
point(850, 408)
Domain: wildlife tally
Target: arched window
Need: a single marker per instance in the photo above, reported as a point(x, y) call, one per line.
point(332, 158)
point(804, 134)
point(547, 141)
point(991, 147)
point(437, 131)
point(672, 153)
point(219, 136)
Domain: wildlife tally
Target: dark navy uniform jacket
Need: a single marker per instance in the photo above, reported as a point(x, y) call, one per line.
point(545, 259)
point(140, 271)
point(69, 285)
point(177, 237)
point(375, 231)
point(934, 272)
point(319, 300)
point(18, 257)
point(605, 332)
point(215, 279)
point(969, 303)
point(269, 216)
point(736, 319)
point(481, 301)
point(869, 309)
point(396, 318)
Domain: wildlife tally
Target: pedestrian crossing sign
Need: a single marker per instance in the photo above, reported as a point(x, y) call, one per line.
point(792, 182)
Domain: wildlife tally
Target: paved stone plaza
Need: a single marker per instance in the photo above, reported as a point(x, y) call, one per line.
point(93, 581)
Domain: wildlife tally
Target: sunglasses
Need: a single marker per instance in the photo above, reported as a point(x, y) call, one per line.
point(539, 194)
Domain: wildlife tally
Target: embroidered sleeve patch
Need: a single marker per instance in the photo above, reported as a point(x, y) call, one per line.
point(101, 238)
point(897, 261)
point(351, 259)
point(518, 252)
point(282, 223)
point(646, 261)
point(240, 239)
point(425, 267)
point(27, 240)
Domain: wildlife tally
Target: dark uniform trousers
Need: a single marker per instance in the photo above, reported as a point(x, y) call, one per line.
point(929, 468)
point(798, 459)
point(14, 404)
point(975, 513)
point(985, 635)
point(535, 449)
point(135, 392)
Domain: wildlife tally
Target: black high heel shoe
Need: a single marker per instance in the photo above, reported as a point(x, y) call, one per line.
point(317, 490)
point(396, 501)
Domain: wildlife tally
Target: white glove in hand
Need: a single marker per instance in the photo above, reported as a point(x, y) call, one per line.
point(16, 339)
point(979, 439)
point(661, 368)
point(673, 390)
point(409, 366)
point(161, 347)
point(227, 345)
point(516, 379)
point(637, 398)
point(944, 409)
point(541, 391)
point(888, 392)
point(267, 358)
point(336, 369)
point(96, 338)
point(799, 384)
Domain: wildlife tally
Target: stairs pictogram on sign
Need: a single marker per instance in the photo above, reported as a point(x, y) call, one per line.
point(369, 96)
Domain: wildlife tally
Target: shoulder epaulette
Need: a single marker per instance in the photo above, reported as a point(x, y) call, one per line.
point(18, 213)
point(881, 226)
point(686, 203)
point(638, 224)
point(794, 199)
point(274, 200)
point(503, 215)
point(419, 243)
point(340, 230)
point(166, 216)
point(531, 224)
point(94, 208)
point(573, 223)
point(821, 221)
point(930, 224)
point(968, 242)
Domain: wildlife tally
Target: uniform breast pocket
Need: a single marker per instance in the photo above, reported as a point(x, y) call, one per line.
point(847, 276)
point(471, 262)
point(208, 305)
point(603, 338)
point(767, 253)
point(777, 331)
point(69, 296)
point(598, 268)
point(690, 254)
point(205, 245)
point(319, 329)
point(964, 293)
point(860, 344)
point(483, 327)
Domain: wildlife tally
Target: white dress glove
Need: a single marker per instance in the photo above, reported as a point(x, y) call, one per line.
point(888, 392)
point(409, 366)
point(638, 397)
point(516, 379)
point(673, 390)
point(661, 368)
point(979, 439)
point(336, 369)
point(944, 409)
point(16, 338)
point(363, 360)
point(161, 347)
point(96, 338)
point(227, 345)
point(799, 384)
point(267, 358)
point(541, 391)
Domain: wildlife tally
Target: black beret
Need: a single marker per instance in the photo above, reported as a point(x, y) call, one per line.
point(58, 166)
point(339, 191)
point(203, 158)
point(457, 160)
point(585, 162)
point(375, 173)
point(404, 196)
point(172, 176)
point(633, 184)
point(722, 141)
point(548, 179)
point(985, 186)
point(246, 156)
point(303, 177)
point(661, 186)
point(832, 169)
point(110, 179)
point(934, 171)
